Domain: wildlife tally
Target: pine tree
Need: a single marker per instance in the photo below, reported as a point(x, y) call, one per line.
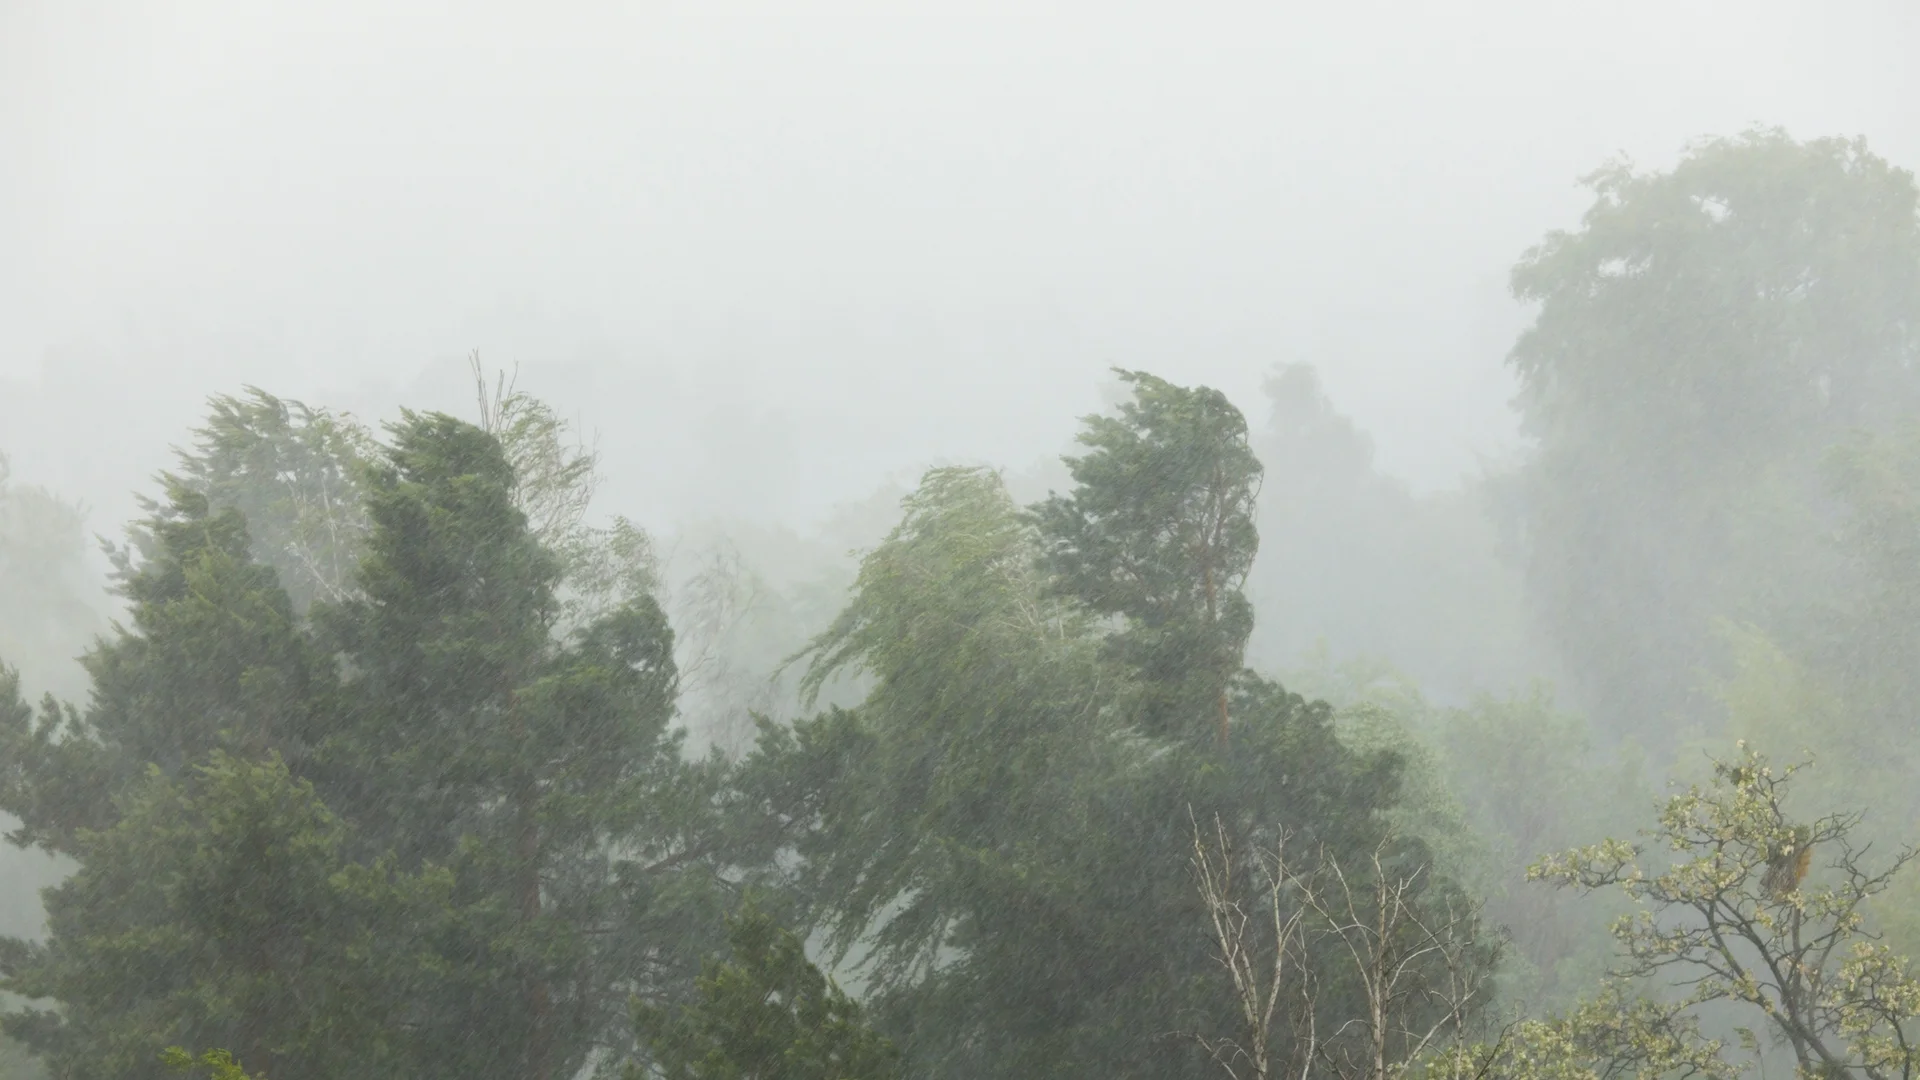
point(541, 770)
point(214, 659)
point(478, 784)
point(220, 908)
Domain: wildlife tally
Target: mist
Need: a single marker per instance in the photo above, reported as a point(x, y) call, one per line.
point(870, 242)
point(790, 306)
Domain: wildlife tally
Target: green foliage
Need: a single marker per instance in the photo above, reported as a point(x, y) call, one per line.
point(293, 474)
point(214, 659)
point(18, 1063)
point(1730, 917)
point(216, 1064)
point(1700, 341)
point(984, 699)
point(540, 770)
point(448, 827)
point(991, 836)
point(1531, 781)
point(1159, 530)
point(766, 1014)
point(220, 908)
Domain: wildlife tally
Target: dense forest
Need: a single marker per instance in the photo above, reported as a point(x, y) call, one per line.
point(1210, 750)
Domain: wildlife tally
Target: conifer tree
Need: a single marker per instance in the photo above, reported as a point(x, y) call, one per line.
point(214, 658)
point(220, 907)
point(542, 771)
point(480, 771)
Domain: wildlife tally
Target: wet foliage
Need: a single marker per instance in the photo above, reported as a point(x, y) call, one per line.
point(401, 759)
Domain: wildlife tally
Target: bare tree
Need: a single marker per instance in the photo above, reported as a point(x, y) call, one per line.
point(554, 482)
point(1286, 937)
point(555, 477)
point(1263, 970)
point(1422, 972)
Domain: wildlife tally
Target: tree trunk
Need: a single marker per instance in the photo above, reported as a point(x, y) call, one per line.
point(1213, 621)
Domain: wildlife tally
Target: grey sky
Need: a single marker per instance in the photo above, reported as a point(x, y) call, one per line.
point(817, 251)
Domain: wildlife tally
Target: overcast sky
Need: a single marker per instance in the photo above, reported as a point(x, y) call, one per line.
point(776, 259)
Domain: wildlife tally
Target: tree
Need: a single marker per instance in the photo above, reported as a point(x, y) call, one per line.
point(991, 837)
point(553, 485)
point(767, 1014)
point(1728, 920)
point(1421, 968)
point(217, 1064)
point(45, 617)
point(1700, 341)
point(1159, 530)
point(1531, 780)
point(464, 725)
point(981, 684)
point(214, 659)
point(1873, 645)
point(220, 907)
point(1355, 562)
point(293, 472)
point(539, 768)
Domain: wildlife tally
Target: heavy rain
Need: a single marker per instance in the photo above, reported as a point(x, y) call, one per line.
point(1371, 541)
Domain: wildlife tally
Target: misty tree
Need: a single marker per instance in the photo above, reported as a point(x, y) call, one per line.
point(1530, 779)
point(220, 907)
point(724, 615)
point(293, 473)
point(541, 770)
point(555, 477)
point(1738, 905)
point(1700, 341)
point(1159, 530)
point(766, 1011)
point(990, 834)
point(45, 585)
point(214, 658)
point(1354, 561)
point(1873, 645)
point(446, 720)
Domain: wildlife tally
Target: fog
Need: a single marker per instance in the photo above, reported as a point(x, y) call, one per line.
point(799, 254)
point(1480, 422)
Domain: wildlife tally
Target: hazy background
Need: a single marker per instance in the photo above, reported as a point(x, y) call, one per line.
point(777, 265)
point(776, 260)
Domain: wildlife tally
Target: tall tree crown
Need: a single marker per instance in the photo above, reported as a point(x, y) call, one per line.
point(1160, 530)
